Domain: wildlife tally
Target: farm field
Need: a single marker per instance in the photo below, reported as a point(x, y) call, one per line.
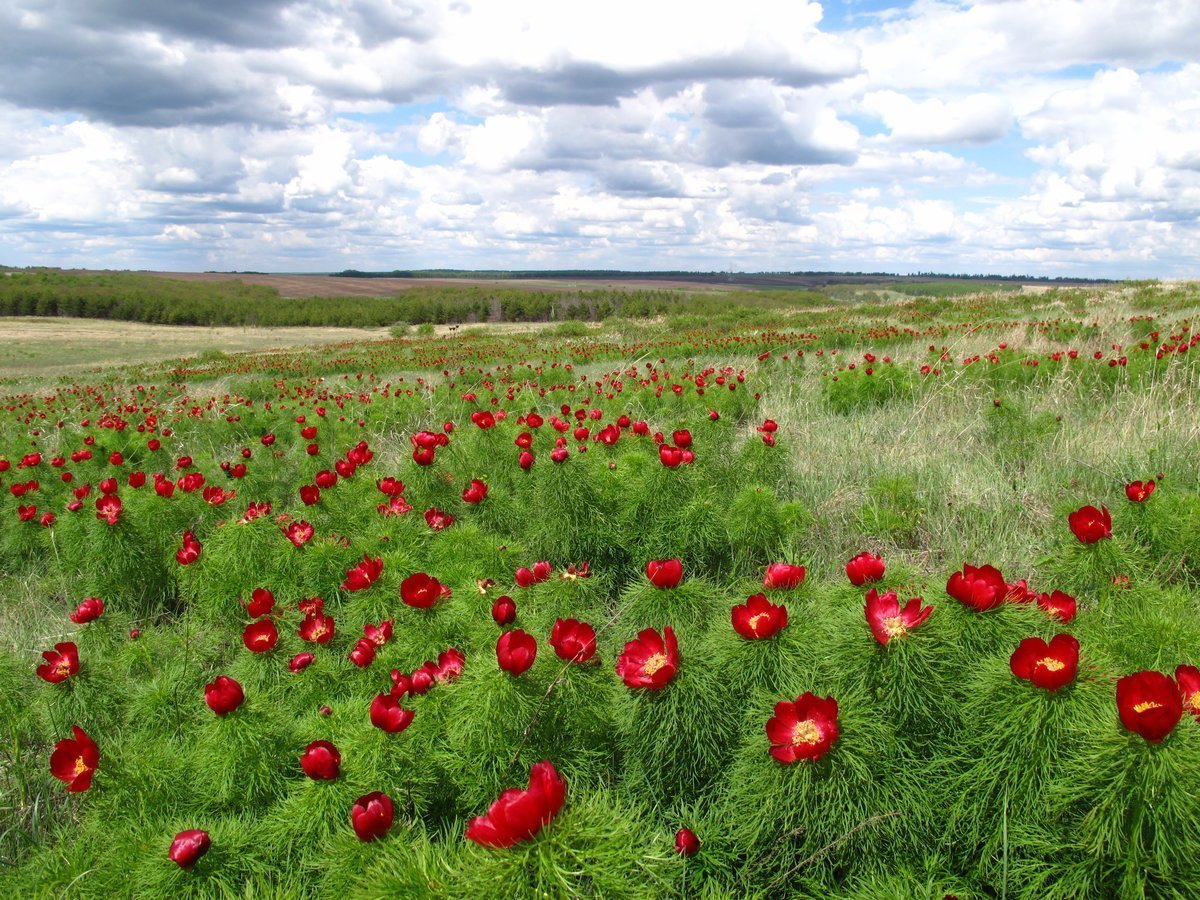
point(850, 594)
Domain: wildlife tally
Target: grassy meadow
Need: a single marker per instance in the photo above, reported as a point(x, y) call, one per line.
point(950, 436)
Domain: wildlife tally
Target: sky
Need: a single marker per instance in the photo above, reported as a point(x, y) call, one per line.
point(1041, 137)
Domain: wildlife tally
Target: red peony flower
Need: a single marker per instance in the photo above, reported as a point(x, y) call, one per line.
point(378, 634)
point(437, 519)
point(651, 660)
point(260, 636)
point(61, 663)
point(299, 533)
point(88, 611)
point(190, 551)
point(388, 715)
point(1048, 665)
point(783, 576)
point(519, 815)
point(515, 651)
point(475, 492)
point(300, 662)
point(686, 842)
point(224, 695)
point(316, 628)
point(108, 508)
point(371, 816)
point(422, 591)
point(262, 603)
point(188, 847)
point(362, 654)
point(321, 761)
point(865, 568)
point(1058, 605)
point(1149, 704)
point(365, 574)
point(664, 573)
point(504, 611)
point(74, 761)
point(573, 640)
point(803, 729)
point(979, 587)
point(886, 618)
point(1188, 680)
point(1139, 491)
point(758, 617)
point(1090, 524)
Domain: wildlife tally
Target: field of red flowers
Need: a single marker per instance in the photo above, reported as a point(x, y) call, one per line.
point(882, 602)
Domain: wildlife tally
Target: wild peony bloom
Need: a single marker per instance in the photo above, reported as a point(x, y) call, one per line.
point(541, 571)
point(1090, 524)
point(1048, 665)
point(316, 628)
point(1058, 605)
point(388, 715)
point(108, 508)
point(61, 663)
point(378, 634)
point(979, 587)
point(362, 654)
point(783, 577)
point(188, 847)
point(437, 519)
point(1149, 704)
point(665, 573)
point(422, 591)
point(515, 651)
point(190, 551)
point(1139, 491)
point(74, 761)
point(518, 815)
point(803, 729)
point(865, 568)
point(504, 610)
point(260, 636)
point(686, 842)
point(573, 640)
point(88, 611)
point(300, 662)
point(651, 660)
point(371, 816)
point(475, 492)
point(262, 603)
point(224, 695)
point(1188, 680)
point(299, 533)
point(321, 761)
point(888, 620)
point(365, 574)
point(758, 617)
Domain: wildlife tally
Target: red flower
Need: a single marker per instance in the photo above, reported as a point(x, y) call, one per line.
point(215, 496)
point(422, 591)
point(1139, 491)
point(188, 847)
point(504, 611)
point(1049, 666)
point(515, 651)
point(392, 487)
point(887, 620)
point(783, 577)
point(864, 568)
point(365, 574)
point(316, 628)
point(483, 419)
point(362, 654)
point(979, 587)
point(262, 603)
point(475, 492)
point(664, 573)
point(378, 634)
point(803, 729)
point(437, 519)
point(651, 660)
point(388, 715)
point(573, 640)
point(260, 636)
point(75, 761)
point(61, 663)
point(686, 842)
point(300, 662)
point(325, 479)
point(450, 664)
point(758, 617)
point(321, 761)
point(88, 611)
point(309, 494)
point(299, 533)
point(519, 815)
point(525, 460)
point(1058, 605)
point(371, 816)
point(190, 551)
point(1090, 524)
point(1149, 704)
point(224, 695)
point(108, 508)
point(1188, 679)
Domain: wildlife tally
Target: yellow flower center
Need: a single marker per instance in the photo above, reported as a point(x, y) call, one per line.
point(1194, 700)
point(806, 732)
point(1052, 664)
point(654, 663)
point(894, 626)
point(62, 668)
point(754, 620)
point(1146, 705)
point(80, 766)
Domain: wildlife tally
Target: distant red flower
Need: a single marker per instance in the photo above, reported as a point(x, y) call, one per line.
point(262, 603)
point(437, 519)
point(108, 508)
point(190, 551)
point(362, 654)
point(888, 620)
point(664, 573)
point(1058, 605)
point(392, 487)
point(518, 815)
point(260, 636)
point(188, 847)
point(365, 574)
point(321, 761)
point(309, 494)
point(388, 715)
point(525, 460)
point(26, 513)
point(524, 577)
point(686, 842)
point(483, 419)
point(516, 651)
point(979, 587)
point(325, 479)
point(378, 634)
point(1149, 704)
point(61, 663)
point(1188, 679)
point(88, 611)
point(504, 611)
point(224, 695)
point(1090, 525)
point(299, 533)
point(573, 640)
point(74, 761)
point(475, 492)
point(300, 662)
point(758, 617)
point(651, 660)
point(450, 664)
point(783, 576)
point(422, 591)
point(1139, 491)
point(371, 816)
point(865, 568)
point(215, 496)
point(803, 729)
point(1047, 665)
